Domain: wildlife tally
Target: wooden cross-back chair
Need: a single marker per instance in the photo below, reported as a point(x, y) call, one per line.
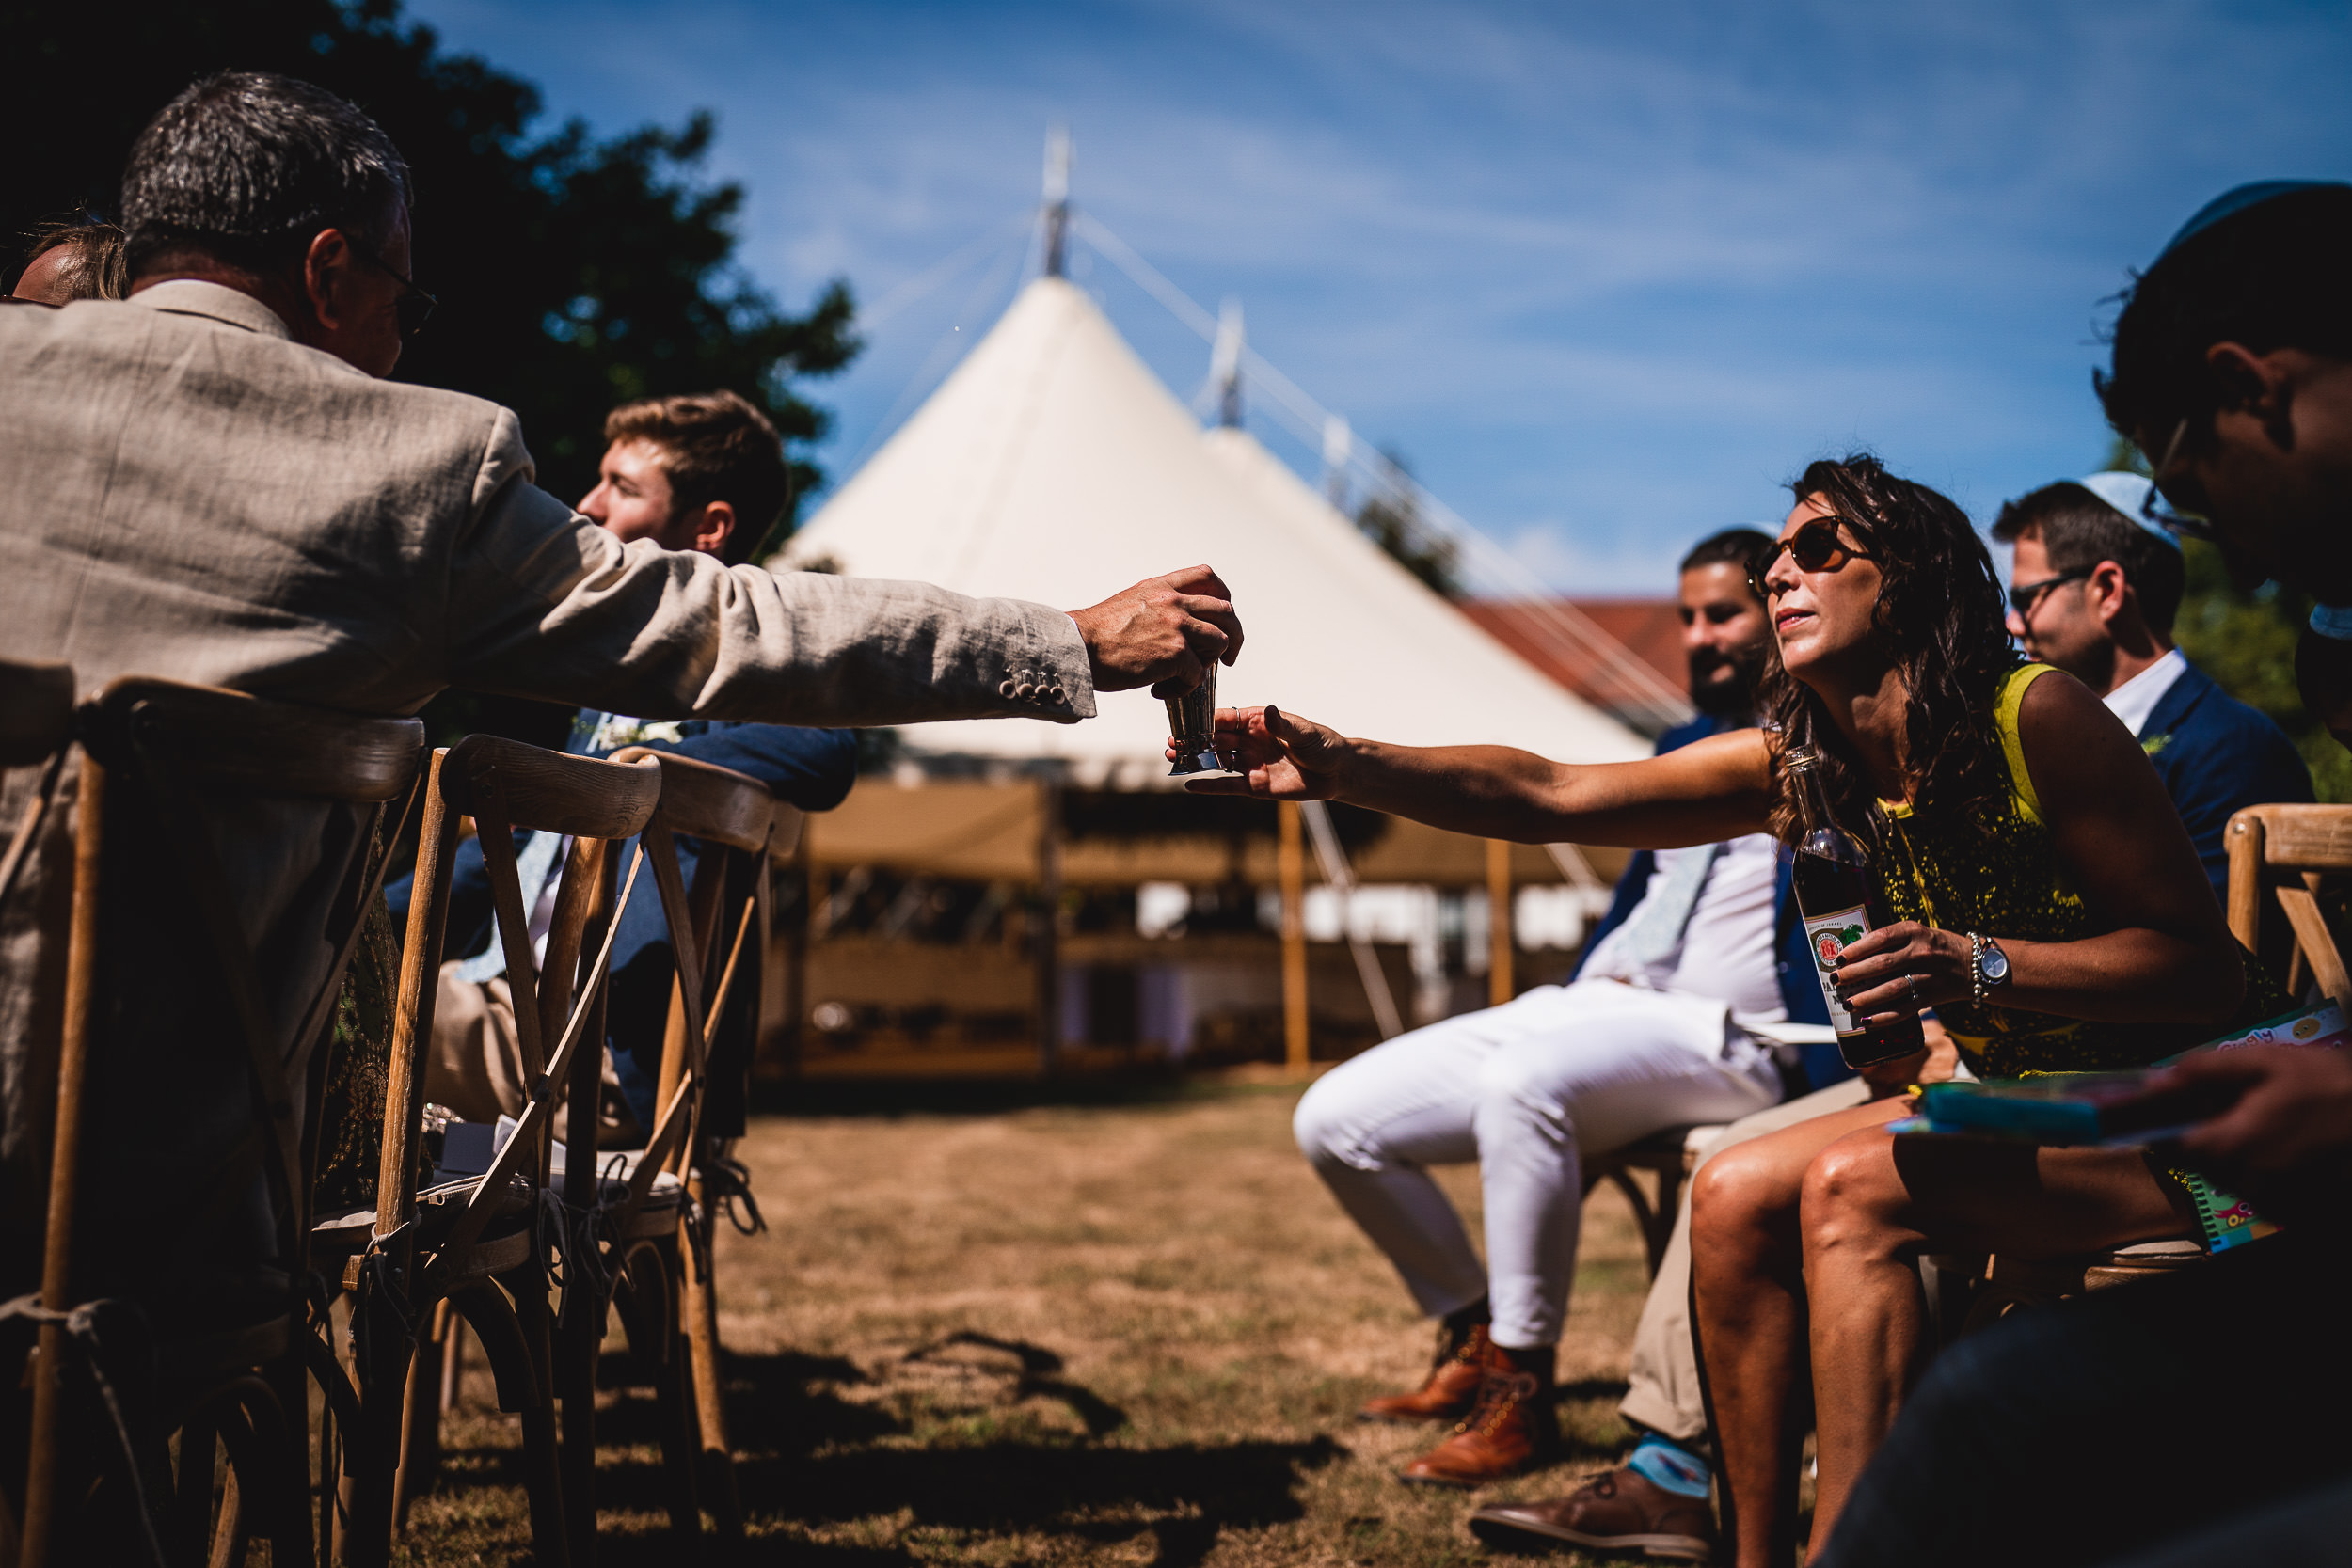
point(2285, 851)
point(481, 1243)
point(168, 769)
point(654, 1240)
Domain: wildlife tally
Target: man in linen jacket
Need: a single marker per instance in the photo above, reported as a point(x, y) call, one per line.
point(210, 482)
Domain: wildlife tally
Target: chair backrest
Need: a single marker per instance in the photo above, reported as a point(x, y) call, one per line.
point(181, 752)
point(2286, 850)
point(735, 818)
point(35, 727)
point(506, 785)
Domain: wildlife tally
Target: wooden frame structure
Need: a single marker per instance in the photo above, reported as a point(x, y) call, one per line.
point(479, 1244)
point(164, 750)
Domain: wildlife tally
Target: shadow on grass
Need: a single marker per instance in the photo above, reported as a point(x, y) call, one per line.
point(809, 1458)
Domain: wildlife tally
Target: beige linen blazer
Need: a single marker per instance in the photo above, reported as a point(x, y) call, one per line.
point(186, 492)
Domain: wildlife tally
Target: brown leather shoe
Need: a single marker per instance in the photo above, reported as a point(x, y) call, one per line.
point(1620, 1510)
point(1511, 1428)
point(1452, 1386)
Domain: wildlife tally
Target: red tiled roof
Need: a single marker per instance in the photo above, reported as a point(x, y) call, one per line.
point(1650, 629)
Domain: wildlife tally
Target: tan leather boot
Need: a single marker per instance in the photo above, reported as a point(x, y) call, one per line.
point(1512, 1428)
point(1452, 1388)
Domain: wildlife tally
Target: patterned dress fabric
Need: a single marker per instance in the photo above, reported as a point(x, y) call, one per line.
point(1939, 869)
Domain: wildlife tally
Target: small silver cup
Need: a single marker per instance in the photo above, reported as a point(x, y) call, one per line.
point(1192, 724)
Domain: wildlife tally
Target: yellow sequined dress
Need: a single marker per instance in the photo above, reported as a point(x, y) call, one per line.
point(1939, 870)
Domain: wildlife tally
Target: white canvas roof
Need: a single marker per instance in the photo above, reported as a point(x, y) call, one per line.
point(1052, 466)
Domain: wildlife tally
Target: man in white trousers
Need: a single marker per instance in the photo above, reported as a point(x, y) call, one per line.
point(1648, 1034)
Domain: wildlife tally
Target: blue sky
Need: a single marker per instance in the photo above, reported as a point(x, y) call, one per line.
point(1607, 276)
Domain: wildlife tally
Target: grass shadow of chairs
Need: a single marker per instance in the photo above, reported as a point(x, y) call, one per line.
point(821, 1447)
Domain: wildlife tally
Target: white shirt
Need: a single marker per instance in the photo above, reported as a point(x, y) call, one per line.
point(2136, 698)
point(1728, 948)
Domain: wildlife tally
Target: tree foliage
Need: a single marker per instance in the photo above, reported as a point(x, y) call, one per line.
point(574, 271)
point(1391, 516)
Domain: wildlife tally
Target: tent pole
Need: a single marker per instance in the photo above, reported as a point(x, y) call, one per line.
point(1292, 862)
point(1498, 988)
point(1046, 947)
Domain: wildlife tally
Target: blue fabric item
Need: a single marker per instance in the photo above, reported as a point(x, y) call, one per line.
point(1670, 1465)
point(812, 769)
point(2332, 621)
point(2232, 202)
point(2215, 755)
point(1799, 993)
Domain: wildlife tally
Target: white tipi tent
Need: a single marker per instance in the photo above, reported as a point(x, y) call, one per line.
point(1052, 466)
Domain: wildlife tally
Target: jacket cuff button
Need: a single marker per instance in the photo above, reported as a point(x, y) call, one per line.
point(1004, 689)
point(1025, 691)
point(1058, 694)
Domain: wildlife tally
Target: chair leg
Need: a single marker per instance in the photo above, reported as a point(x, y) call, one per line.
point(453, 1364)
point(580, 1330)
point(420, 1418)
point(372, 1444)
point(673, 1395)
point(192, 1492)
point(227, 1549)
point(543, 1464)
point(700, 1309)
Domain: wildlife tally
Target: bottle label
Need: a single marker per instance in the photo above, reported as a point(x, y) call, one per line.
point(1829, 936)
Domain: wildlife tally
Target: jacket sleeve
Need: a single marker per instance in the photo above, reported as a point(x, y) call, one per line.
point(542, 603)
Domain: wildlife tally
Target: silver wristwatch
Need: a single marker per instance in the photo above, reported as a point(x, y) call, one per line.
point(1988, 966)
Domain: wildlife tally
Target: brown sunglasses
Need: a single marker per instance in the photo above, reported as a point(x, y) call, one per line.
point(1815, 548)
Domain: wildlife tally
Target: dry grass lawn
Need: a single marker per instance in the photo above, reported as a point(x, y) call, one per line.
point(1117, 1333)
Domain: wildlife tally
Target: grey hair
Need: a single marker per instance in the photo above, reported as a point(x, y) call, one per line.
point(247, 166)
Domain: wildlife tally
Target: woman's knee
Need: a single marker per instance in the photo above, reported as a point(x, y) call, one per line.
point(1850, 1183)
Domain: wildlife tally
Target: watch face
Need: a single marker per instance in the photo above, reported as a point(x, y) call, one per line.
point(1995, 964)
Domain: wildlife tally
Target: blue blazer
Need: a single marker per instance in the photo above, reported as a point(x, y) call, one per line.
point(1800, 992)
point(2214, 756)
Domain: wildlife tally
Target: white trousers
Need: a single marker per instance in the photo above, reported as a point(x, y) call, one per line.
point(1527, 1089)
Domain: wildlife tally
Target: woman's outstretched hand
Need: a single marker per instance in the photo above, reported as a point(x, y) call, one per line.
point(1282, 757)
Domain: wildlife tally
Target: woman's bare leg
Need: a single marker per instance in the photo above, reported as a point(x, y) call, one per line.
point(1748, 1291)
point(1872, 1202)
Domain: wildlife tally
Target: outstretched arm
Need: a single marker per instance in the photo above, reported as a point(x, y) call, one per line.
point(1715, 790)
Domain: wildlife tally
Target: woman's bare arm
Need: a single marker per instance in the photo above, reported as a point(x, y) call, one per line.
point(1715, 789)
point(2168, 955)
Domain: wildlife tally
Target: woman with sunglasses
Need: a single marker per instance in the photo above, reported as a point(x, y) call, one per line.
point(2049, 907)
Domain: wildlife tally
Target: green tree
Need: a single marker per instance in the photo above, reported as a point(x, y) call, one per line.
point(574, 271)
point(2245, 640)
point(1390, 516)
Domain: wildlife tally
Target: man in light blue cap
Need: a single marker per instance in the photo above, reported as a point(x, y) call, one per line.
point(2095, 583)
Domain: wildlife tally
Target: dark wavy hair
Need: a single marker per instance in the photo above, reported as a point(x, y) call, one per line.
point(1939, 620)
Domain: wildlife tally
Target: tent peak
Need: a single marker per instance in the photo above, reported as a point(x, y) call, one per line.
point(1225, 364)
point(1057, 159)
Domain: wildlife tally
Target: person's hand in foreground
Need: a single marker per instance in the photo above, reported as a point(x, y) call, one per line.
point(1278, 756)
point(2275, 1122)
point(1163, 632)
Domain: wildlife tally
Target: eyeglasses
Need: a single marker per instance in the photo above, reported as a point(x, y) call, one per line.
point(1815, 548)
point(2160, 508)
point(2027, 598)
point(415, 307)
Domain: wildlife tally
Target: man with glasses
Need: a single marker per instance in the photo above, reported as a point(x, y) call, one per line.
point(2095, 587)
point(2194, 1421)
